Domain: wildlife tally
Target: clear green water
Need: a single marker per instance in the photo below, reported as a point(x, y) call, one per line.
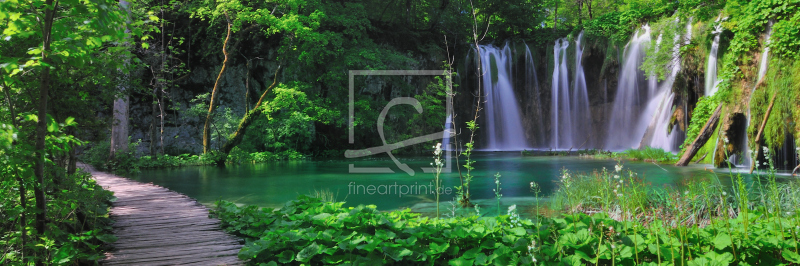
point(273, 184)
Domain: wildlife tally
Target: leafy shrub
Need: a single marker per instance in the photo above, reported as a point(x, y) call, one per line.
point(98, 156)
point(704, 109)
point(310, 231)
point(78, 223)
point(651, 154)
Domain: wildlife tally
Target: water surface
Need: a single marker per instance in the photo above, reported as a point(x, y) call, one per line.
point(273, 184)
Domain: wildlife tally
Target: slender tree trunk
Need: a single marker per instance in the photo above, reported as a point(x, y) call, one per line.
point(795, 170)
point(589, 8)
point(251, 115)
point(215, 94)
point(555, 18)
point(153, 149)
point(161, 116)
point(760, 134)
point(247, 87)
point(702, 138)
point(41, 125)
point(22, 192)
point(119, 129)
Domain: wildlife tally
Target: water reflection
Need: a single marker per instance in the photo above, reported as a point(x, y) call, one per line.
point(272, 184)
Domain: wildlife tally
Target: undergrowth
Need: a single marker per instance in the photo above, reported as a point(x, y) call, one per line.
point(608, 217)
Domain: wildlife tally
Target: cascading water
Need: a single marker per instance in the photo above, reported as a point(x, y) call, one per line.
point(623, 129)
point(581, 118)
point(504, 124)
point(745, 159)
point(532, 87)
point(656, 134)
point(711, 66)
point(560, 109)
point(570, 117)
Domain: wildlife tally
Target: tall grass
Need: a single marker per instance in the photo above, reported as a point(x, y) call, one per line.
point(650, 154)
point(623, 195)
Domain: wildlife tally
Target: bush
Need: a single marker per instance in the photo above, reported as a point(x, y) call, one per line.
point(650, 154)
point(77, 228)
point(310, 231)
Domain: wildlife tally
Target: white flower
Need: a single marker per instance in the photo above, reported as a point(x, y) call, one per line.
point(724, 194)
point(613, 247)
point(611, 228)
point(620, 181)
point(616, 176)
point(618, 167)
point(686, 193)
point(619, 195)
point(765, 149)
point(617, 186)
point(512, 208)
point(615, 191)
point(725, 139)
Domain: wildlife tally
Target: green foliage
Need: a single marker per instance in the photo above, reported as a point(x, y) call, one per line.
point(79, 229)
point(620, 25)
point(310, 231)
point(702, 112)
point(131, 162)
point(223, 123)
point(650, 154)
point(77, 207)
point(289, 121)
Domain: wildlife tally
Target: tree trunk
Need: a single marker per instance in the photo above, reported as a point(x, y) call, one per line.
point(22, 192)
point(248, 119)
point(795, 170)
point(41, 125)
point(119, 129)
point(215, 94)
point(555, 18)
point(153, 150)
point(589, 8)
point(702, 138)
point(760, 134)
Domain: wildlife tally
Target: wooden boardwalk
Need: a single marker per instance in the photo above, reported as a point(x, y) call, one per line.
point(156, 226)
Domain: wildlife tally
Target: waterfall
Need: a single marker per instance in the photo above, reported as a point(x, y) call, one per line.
point(532, 85)
point(504, 124)
point(581, 118)
point(560, 108)
point(632, 93)
point(656, 134)
point(570, 108)
point(711, 66)
point(746, 160)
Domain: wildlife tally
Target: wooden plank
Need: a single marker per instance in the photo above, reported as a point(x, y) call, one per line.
point(156, 251)
point(156, 226)
point(144, 259)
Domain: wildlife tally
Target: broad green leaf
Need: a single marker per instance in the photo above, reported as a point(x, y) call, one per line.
point(286, 256)
point(722, 241)
point(461, 261)
point(437, 248)
point(308, 252)
point(791, 256)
